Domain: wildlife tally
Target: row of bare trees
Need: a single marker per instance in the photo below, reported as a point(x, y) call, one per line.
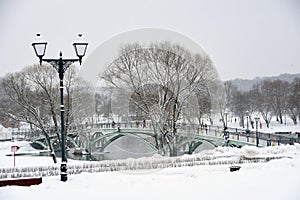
point(269, 98)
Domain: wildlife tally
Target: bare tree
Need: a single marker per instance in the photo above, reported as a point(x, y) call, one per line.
point(263, 102)
point(293, 105)
point(277, 91)
point(159, 81)
point(79, 99)
point(43, 79)
point(199, 105)
point(229, 89)
point(30, 97)
point(83, 103)
point(238, 107)
point(229, 100)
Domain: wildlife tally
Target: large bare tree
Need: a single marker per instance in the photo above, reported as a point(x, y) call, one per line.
point(159, 82)
point(32, 96)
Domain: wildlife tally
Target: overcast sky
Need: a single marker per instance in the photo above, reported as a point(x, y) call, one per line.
point(245, 39)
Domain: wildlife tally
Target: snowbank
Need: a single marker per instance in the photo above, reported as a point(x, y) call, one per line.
point(276, 180)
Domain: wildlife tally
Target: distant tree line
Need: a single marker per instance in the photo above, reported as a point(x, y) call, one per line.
point(269, 98)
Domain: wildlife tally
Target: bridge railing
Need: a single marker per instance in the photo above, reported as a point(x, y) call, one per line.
point(137, 124)
point(264, 139)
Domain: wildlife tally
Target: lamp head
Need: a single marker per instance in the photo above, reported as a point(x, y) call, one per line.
point(80, 47)
point(39, 46)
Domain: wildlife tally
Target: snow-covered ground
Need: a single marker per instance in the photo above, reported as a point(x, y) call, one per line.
point(277, 179)
point(7, 160)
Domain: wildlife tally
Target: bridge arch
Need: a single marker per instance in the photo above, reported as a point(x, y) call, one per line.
point(113, 136)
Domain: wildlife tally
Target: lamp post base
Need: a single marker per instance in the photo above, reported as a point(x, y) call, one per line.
point(63, 172)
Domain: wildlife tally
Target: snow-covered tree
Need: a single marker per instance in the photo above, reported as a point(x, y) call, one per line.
point(32, 96)
point(158, 83)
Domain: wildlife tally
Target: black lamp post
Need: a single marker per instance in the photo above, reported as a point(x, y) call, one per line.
point(226, 133)
point(61, 65)
point(256, 120)
point(247, 130)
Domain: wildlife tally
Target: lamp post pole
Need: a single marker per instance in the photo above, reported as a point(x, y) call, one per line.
point(257, 139)
point(226, 133)
point(226, 113)
point(247, 130)
point(61, 65)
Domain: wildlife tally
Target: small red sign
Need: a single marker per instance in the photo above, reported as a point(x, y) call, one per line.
point(14, 148)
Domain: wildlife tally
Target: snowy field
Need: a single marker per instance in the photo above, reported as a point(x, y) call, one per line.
point(276, 179)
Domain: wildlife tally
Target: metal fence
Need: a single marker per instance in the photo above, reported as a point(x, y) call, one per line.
point(252, 137)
